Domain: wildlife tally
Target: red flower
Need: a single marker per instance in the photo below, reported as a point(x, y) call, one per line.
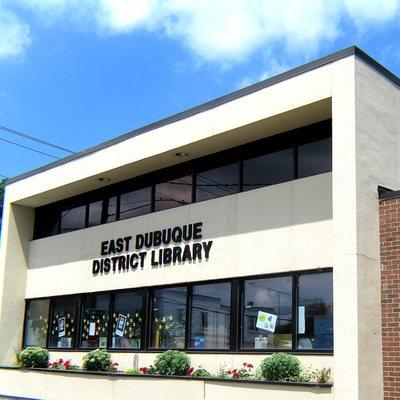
point(244, 364)
point(61, 361)
point(67, 364)
point(143, 370)
point(189, 371)
point(249, 365)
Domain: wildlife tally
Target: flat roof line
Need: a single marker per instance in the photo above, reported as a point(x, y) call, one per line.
point(352, 50)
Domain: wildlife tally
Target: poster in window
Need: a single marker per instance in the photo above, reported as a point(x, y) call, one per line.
point(302, 320)
point(92, 328)
point(120, 328)
point(266, 321)
point(61, 327)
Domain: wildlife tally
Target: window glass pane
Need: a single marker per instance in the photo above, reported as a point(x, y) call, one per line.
point(109, 212)
point(268, 169)
point(36, 323)
point(95, 316)
point(168, 318)
point(217, 182)
point(73, 219)
point(95, 213)
point(315, 311)
point(175, 193)
point(264, 302)
point(127, 320)
point(135, 203)
point(63, 322)
point(210, 316)
point(315, 157)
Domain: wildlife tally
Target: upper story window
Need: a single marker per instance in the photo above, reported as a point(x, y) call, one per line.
point(218, 182)
point(281, 158)
point(135, 203)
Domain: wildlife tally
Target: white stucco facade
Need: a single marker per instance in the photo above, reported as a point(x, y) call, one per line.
point(321, 221)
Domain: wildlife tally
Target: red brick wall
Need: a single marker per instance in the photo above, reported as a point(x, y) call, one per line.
point(389, 211)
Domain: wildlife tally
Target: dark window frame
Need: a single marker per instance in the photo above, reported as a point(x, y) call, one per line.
point(291, 139)
point(235, 322)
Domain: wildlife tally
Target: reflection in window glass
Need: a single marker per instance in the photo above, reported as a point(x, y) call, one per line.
point(267, 313)
point(210, 316)
point(36, 323)
point(135, 203)
point(95, 317)
point(268, 169)
point(217, 182)
point(95, 213)
point(168, 318)
point(109, 211)
point(315, 157)
point(175, 193)
point(127, 320)
point(73, 219)
point(63, 322)
point(315, 311)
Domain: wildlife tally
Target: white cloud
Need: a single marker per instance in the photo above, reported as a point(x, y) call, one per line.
point(223, 31)
point(14, 34)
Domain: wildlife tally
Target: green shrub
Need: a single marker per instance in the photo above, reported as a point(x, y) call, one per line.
point(33, 357)
point(201, 373)
point(172, 362)
point(98, 360)
point(280, 367)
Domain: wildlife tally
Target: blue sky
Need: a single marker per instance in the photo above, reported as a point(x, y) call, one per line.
point(79, 72)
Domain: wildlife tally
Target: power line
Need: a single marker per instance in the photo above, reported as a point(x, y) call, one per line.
point(29, 148)
point(24, 135)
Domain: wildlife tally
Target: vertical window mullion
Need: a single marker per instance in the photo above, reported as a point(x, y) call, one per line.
point(49, 318)
point(148, 317)
point(294, 312)
point(118, 210)
point(153, 198)
point(241, 175)
point(80, 330)
point(110, 320)
point(235, 318)
point(189, 293)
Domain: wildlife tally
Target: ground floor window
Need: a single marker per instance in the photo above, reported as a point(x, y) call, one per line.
point(210, 316)
point(267, 313)
point(95, 321)
point(280, 312)
point(168, 323)
point(63, 322)
point(36, 322)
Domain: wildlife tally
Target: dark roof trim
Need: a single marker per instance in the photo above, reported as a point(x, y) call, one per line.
point(353, 50)
point(386, 194)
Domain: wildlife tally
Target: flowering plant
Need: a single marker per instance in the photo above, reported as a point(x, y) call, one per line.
point(244, 372)
point(61, 364)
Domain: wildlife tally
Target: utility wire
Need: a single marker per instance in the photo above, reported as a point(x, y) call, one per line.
point(24, 135)
point(29, 148)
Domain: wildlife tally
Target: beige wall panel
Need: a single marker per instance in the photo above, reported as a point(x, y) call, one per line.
point(235, 390)
point(150, 389)
point(72, 386)
point(252, 233)
point(287, 95)
point(22, 383)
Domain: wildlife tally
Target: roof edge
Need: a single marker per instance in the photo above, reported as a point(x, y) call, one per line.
point(349, 51)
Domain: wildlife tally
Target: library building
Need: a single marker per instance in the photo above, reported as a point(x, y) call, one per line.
point(265, 221)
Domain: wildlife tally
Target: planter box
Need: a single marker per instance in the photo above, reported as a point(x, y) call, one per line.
point(60, 385)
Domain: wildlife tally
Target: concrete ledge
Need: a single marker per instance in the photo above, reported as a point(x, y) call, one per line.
point(55, 384)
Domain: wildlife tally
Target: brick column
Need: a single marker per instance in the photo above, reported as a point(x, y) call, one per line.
point(389, 215)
